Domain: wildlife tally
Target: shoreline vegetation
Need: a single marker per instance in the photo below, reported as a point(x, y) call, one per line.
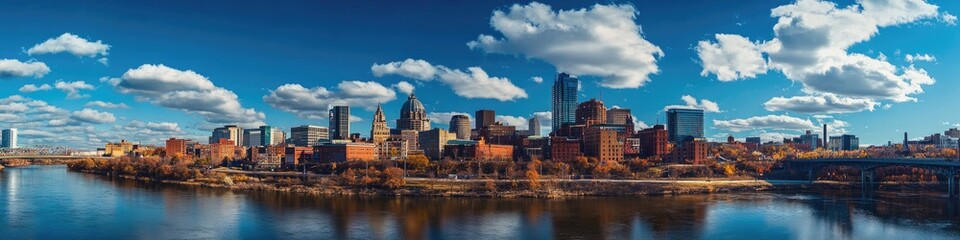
point(391, 182)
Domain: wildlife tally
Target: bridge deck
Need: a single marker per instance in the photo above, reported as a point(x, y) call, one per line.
point(939, 162)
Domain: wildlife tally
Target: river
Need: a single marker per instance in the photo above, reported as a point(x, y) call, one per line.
point(49, 202)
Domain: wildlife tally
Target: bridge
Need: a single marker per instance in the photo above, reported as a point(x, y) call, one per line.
point(943, 166)
point(39, 157)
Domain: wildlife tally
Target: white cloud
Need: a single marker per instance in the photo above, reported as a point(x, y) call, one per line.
point(404, 87)
point(14, 107)
point(603, 41)
point(16, 68)
point(520, 122)
point(102, 104)
point(72, 44)
point(920, 58)
point(948, 18)
point(774, 122)
point(691, 103)
point(475, 83)
point(93, 116)
point(733, 57)
point(537, 79)
point(637, 124)
point(811, 42)
point(443, 118)
point(189, 92)
point(314, 103)
point(826, 103)
point(27, 88)
point(72, 89)
point(775, 136)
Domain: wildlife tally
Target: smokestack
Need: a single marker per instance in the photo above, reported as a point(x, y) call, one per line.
point(826, 139)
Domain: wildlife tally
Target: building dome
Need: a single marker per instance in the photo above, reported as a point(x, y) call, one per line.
point(412, 105)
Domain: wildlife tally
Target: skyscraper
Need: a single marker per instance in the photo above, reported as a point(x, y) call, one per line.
point(251, 138)
point(460, 124)
point(413, 116)
point(564, 100)
point(534, 126)
point(485, 118)
point(379, 132)
point(339, 122)
point(9, 138)
point(308, 135)
point(684, 123)
point(230, 132)
point(591, 113)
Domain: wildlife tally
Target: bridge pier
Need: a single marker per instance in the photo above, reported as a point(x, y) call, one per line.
point(810, 174)
point(866, 178)
point(950, 187)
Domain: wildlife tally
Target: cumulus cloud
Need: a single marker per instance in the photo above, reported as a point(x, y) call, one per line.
point(72, 89)
point(27, 88)
point(826, 103)
point(443, 118)
point(102, 104)
point(948, 18)
point(691, 103)
point(731, 58)
point(72, 44)
point(404, 87)
point(314, 103)
point(475, 83)
point(537, 79)
point(41, 123)
point(15, 68)
point(811, 43)
point(920, 58)
point(93, 116)
point(517, 121)
point(603, 41)
point(774, 122)
point(187, 91)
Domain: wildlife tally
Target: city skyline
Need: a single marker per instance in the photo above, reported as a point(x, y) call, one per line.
point(154, 77)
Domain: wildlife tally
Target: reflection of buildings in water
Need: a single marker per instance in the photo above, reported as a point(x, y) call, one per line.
point(667, 217)
point(888, 208)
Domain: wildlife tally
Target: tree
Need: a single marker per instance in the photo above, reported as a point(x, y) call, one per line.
point(394, 177)
point(418, 162)
point(534, 179)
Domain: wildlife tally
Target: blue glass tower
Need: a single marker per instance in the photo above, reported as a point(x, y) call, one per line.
point(684, 123)
point(564, 100)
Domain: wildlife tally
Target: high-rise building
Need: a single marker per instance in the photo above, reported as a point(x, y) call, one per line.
point(602, 144)
point(251, 138)
point(953, 132)
point(379, 131)
point(271, 136)
point(845, 142)
point(432, 142)
point(619, 116)
point(339, 122)
point(683, 124)
point(485, 118)
point(564, 100)
point(308, 135)
point(413, 116)
point(591, 113)
point(460, 124)
point(754, 140)
point(8, 138)
point(533, 126)
point(811, 140)
point(230, 132)
point(176, 148)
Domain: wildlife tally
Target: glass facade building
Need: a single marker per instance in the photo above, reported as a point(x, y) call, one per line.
point(340, 122)
point(684, 123)
point(564, 100)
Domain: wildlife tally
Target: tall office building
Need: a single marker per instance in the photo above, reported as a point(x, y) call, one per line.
point(460, 124)
point(270, 136)
point(229, 132)
point(340, 122)
point(564, 100)
point(534, 126)
point(684, 123)
point(251, 138)
point(413, 116)
point(9, 138)
point(308, 135)
point(379, 131)
point(485, 117)
point(620, 116)
point(591, 113)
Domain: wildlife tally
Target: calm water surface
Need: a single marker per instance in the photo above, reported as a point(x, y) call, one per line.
point(48, 202)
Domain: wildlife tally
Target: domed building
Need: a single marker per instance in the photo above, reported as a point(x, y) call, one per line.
point(413, 116)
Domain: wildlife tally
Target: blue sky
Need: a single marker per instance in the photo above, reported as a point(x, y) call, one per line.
point(643, 55)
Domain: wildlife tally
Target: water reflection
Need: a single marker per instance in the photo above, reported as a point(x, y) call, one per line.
point(130, 209)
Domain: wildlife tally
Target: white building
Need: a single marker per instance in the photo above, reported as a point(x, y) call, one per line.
point(8, 138)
